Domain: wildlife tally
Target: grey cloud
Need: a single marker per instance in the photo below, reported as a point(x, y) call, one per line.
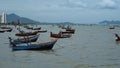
point(108, 4)
point(74, 4)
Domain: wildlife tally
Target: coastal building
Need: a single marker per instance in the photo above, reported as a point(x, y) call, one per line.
point(3, 18)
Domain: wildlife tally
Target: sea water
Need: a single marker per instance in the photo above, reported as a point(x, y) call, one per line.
point(90, 47)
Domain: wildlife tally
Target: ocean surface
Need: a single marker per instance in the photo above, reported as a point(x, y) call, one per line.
point(90, 47)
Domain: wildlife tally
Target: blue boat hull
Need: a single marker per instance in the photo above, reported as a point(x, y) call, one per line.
point(42, 46)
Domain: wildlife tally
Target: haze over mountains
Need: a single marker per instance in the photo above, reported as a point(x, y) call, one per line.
point(14, 18)
point(110, 22)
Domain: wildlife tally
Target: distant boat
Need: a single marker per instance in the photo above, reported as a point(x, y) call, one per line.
point(26, 33)
point(112, 27)
point(27, 27)
point(8, 30)
point(38, 46)
point(5, 27)
point(60, 35)
point(5, 30)
point(67, 32)
point(2, 31)
point(36, 28)
point(24, 40)
point(71, 30)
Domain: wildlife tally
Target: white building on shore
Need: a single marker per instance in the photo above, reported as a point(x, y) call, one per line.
point(4, 18)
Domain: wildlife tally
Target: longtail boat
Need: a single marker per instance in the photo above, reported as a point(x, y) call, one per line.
point(70, 30)
point(38, 46)
point(36, 28)
point(27, 27)
point(67, 32)
point(24, 40)
point(111, 27)
point(2, 31)
point(26, 33)
point(8, 30)
point(60, 35)
point(5, 27)
point(5, 30)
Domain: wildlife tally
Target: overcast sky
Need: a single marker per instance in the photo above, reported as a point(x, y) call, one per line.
point(77, 11)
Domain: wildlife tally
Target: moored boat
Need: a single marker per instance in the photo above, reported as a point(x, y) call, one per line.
point(26, 39)
point(39, 46)
point(36, 28)
point(67, 32)
point(60, 35)
point(26, 33)
point(70, 30)
point(5, 30)
point(111, 27)
point(2, 31)
point(8, 30)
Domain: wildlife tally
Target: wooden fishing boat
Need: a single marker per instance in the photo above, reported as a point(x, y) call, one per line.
point(5, 30)
point(5, 27)
point(67, 32)
point(36, 28)
point(60, 35)
point(117, 37)
point(8, 30)
point(27, 27)
point(71, 30)
point(24, 40)
point(39, 46)
point(111, 27)
point(26, 33)
point(2, 31)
